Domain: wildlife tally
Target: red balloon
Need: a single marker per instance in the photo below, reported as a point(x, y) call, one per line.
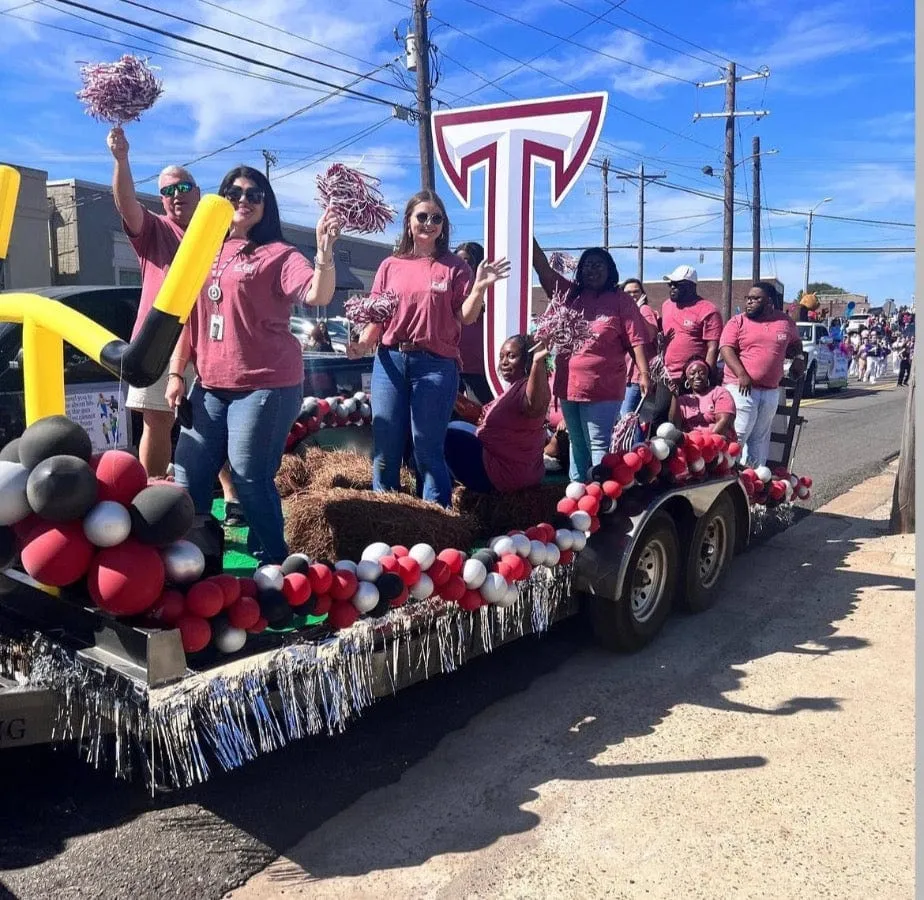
point(515, 563)
point(567, 506)
point(399, 550)
point(549, 530)
point(439, 573)
point(805, 481)
point(566, 557)
point(453, 589)
point(644, 453)
point(230, 587)
point(533, 533)
point(734, 448)
point(57, 553)
point(612, 489)
point(119, 476)
point(624, 475)
point(594, 526)
point(321, 578)
point(205, 599)
point(248, 587)
point(261, 625)
point(632, 460)
point(127, 579)
point(401, 599)
point(343, 586)
point(455, 559)
point(389, 563)
point(342, 615)
point(593, 489)
point(297, 588)
point(610, 460)
point(323, 408)
point(169, 609)
point(470, 600)
point(322, 605)
point(589, 504)
point(195, 633)
point(409, 570)
point(507, 570)
point(526, 569)
point(244, 613)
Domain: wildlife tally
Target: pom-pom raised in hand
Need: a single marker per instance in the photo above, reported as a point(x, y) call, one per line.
point(119, 92)
point(355, 199)
point(374, 309)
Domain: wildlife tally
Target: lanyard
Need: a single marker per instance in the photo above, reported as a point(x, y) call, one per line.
point(214, 291)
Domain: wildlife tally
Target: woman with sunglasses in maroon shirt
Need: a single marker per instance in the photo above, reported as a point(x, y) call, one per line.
point(249, 369)
point(415, 376)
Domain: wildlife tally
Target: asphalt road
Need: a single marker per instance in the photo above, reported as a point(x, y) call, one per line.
point(70, 832)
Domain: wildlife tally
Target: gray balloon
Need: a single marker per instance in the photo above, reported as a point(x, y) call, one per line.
point(107, 524)
point(183, 562)
point(14, 505)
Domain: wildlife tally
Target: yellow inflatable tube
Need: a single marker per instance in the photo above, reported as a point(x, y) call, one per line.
point(9, 191)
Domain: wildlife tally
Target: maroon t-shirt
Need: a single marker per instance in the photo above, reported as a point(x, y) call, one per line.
point(650, 316)
point(701, 410)
point(512, 441)
point(257, 350)
point(761, 346)
point(694, 326)
point(471, 347)
point(155, 245)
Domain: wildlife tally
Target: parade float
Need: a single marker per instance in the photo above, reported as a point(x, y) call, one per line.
point(166, 658)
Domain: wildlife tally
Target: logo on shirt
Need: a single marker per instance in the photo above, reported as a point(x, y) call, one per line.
point(245, 268)
point(781, 336)
point(689, 323)
point(441, 286)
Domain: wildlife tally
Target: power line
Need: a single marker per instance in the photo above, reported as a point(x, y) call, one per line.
point(316, 157)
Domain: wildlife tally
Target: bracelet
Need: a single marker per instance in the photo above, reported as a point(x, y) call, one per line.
point(322, 266)
point(176, 375)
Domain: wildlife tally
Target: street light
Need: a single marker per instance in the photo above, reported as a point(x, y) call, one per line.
point(808, 241)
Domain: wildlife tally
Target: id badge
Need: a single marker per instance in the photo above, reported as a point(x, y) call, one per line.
point(216, 327)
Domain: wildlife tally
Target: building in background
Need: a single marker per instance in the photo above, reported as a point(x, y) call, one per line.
point(28, 261)
point(710, 289)
point(835, 305)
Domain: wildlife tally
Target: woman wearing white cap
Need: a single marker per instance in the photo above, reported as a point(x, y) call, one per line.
point(696, 324)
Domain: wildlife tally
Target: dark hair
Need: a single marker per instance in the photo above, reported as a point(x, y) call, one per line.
point(269, 228)
point(694, 358)
point(405, 244)
point(524, 342)
point(474, 250)
point(769, 290)
point(612, 278)
point(629, 281)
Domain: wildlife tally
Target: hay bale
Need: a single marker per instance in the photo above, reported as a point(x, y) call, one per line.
point(339, 523)
point(499, 513)
point(343, 469)
point(297, 470)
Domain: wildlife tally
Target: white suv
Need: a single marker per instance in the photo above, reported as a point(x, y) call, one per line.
point(824, 363)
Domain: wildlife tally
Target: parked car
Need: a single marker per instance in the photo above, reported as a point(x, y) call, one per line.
point(824, 364)
point(95, 397)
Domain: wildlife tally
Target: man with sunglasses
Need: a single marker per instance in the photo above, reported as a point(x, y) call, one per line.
point(155, 239)
point(696, 324)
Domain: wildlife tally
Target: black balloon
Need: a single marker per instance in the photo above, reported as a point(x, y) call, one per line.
point(62, 488)
point(161, 514)
point(53, 436)
point(275, 608)
point(389, 585)
point(560, 520)
point(607, 504)
point(381, 608)
point(600, 473)
point(295, 563)
point(7, 546)
point(487, 557)
point(10, 452)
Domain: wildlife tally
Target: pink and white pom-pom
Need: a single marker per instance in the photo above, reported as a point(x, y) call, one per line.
point(119, 92)
point(355, 199)
point(561, 327)
point(563, 263)
point(372, 310)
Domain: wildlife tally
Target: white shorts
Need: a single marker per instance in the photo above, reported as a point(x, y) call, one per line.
point(152, 397)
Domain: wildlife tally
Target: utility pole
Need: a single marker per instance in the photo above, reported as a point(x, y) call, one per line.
point(755, 212)
point(418, 52)
point(269, 159)
point(730, 82)
point(605, 170)
point(642, 178)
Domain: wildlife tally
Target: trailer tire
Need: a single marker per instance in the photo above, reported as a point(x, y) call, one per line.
point(712, 548)
point(630, 621)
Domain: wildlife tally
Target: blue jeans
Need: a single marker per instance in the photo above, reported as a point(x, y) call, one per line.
point(629, 404)
point(465, 457)
point(414, 390)
point(590, 427)
point(249, 429)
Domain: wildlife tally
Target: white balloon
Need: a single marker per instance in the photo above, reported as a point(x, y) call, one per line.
point(422, 588)
point(763, 473)
point(376, 551)
point(268, 578)
point(365, 410)
point(536, 553)
point(368, 569)
point(227, 638)
point(183, 562)
point(794, 481)
point(349, 406)
point(521, 545)
point(474, 574)
point(697, 464)
point(424, 554)
point(552, 555)
point(669, 432)
point(503, 545)
point(575, 490)
point(564, 538)
point(802, 492)
point(511, 595)
point(580, 520)
point(494, 588)
point(366, 597)
point(14, 505)
point(345, 565)
point(360, 397)
point(580, 541)
point(660, 448)
point(107, 524)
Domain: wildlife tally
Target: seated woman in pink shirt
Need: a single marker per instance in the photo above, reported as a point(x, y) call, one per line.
point(701, 406)
point(249, 369)
point(504, 452)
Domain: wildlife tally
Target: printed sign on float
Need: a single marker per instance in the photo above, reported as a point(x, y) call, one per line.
point(508, 140)
point(100, 408)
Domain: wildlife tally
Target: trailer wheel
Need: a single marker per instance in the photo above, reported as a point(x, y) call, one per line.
point(712, 548)
point(630, 621)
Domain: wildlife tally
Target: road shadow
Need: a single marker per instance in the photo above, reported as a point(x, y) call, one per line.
point(237, 823)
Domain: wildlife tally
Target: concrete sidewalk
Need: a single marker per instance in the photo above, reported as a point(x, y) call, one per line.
point(764, 749)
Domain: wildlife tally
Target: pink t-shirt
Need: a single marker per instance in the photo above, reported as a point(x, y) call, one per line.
point(258, 287)
point(598, 370)
point(761, 346)
point(155, 245)
point(701, 410)
point(431, 293)
point(513, 442)
point(651, 317)
point(694, 326)
point(471, 347)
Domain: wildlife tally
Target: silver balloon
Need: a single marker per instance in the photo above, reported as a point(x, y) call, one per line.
point(183, 562)
point(107, 524)
point(226, 637)
point(14, 506)
point(366, 597)
point(368, 570)
point(345, 565)
point(268, 578)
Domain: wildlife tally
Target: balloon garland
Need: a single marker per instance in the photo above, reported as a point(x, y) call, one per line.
point(329, 412)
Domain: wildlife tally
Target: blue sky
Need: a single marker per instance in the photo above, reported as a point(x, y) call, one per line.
point(840, 96)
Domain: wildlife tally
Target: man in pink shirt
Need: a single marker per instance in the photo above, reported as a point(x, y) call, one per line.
point(696, 324)
point(754, 345)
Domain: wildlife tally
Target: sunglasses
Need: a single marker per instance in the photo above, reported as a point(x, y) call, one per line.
point(181, 187)
point(235, 192)
point(425, 219)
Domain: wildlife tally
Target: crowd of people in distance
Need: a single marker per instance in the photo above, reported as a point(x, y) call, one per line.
point(236, 378)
